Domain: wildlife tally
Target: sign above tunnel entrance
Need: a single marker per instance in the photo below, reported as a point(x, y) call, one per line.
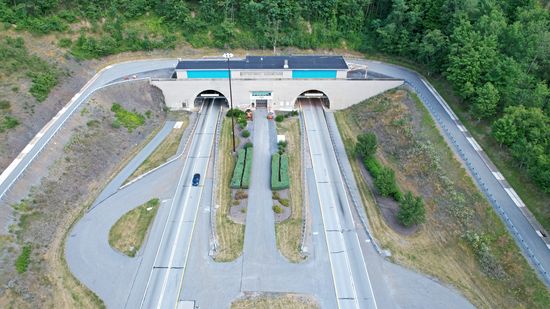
point(260, 95)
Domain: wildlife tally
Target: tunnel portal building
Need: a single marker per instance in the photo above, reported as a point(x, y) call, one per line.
point(274, 82)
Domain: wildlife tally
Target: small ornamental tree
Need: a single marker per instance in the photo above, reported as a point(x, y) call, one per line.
point(411, 210)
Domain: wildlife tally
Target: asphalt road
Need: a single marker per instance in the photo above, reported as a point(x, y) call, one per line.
point(488, 178)
point(349, 270)
point(166, 274)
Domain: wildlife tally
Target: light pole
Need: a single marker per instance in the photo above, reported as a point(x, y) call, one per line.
point(229, 56)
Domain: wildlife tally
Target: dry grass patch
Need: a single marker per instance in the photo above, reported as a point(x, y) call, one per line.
point(275, 301)
point(129, 231)
point(411, 144)
point(289, 232)
point(230, 234)
point(164, 151)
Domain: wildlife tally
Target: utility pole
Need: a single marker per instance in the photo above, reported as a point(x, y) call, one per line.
point(229, 56)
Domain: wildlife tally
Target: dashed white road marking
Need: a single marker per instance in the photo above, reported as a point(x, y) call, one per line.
point(461, 128)
point(178, 125)
point(514, 196)
point(539, 233)
point(498, 176)
point(474, 144)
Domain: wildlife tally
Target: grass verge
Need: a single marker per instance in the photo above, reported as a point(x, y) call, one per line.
point(230, 234)
point(129, 231)
point(412, 145)
point(275, 301)
point(535, 199)
point(164, 151)
point(289, 232)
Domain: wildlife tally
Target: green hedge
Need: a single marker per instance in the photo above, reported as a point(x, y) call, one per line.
point(239, 169)
point(247, 168)
point(279, 172)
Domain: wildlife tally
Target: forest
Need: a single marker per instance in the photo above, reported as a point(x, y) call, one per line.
point(495, 54)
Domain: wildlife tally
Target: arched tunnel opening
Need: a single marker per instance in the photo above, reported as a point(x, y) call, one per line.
point(313, 97)
point(211, 96)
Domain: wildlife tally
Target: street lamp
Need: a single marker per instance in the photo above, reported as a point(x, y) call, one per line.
point(229, 56)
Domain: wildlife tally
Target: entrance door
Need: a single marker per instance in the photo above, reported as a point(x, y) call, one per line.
point(261, 103)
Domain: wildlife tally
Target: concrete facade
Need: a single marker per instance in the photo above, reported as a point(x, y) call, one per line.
point(180, 94)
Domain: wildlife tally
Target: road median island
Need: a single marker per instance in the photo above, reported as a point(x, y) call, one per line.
point(128, 233)
point(165, 150)
point(230, 234)
point(463, 242)
point(287, 194)
point(275, 301)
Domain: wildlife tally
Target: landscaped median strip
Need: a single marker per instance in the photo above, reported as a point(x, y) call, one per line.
point(279, 172)
point(243, 169)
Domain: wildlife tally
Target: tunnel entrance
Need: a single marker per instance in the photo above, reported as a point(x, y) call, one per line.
point(207, 96)
point(313, 97)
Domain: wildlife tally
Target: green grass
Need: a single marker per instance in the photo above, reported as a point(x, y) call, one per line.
point(22, 262)
point(129, 120)
point(129, 231)
point(8, 122)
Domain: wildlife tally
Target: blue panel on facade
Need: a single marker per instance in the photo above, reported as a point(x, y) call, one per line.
point(208, 74)
point(313, 74)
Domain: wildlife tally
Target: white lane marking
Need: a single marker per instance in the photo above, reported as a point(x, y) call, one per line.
point(474, 144)
point(178, 125)
point(461, 128)
point(539, 233)
point(548, 246)
point(498, 176)
point(514, 196)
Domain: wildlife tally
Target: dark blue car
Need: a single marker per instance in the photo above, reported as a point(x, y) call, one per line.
point(196, 180)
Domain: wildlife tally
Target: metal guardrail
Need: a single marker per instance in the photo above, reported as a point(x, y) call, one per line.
point(504, 216)
point(213, 209)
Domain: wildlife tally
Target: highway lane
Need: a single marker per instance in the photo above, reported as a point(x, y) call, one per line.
point(101, 79)
point(349, 270)
point(485, 173)
point(166, 273)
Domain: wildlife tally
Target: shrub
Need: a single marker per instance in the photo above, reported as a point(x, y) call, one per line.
point(115, 124)
point(236, 202)
point(385, 182)
point(373, 166)
point(10, 122)
point(238, 170)
point(241, 195)
point(294, 113)
point(23, 260)
point(237, 113)
point(277, 209)
point(248, 145)
point(247, 169)
point(279, 118)
point(284, 202)
point(366, 145)
point(411, 210)
point(488, 262)
point(245, 133)
point(130, 120)
point(42, 83)
point(65, 43)
point(4, 104)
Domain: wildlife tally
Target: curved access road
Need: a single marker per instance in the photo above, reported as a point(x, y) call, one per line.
point(502, 196)
point(108, 75)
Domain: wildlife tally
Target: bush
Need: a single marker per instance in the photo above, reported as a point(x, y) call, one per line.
point(42, 84)
point(247, 169)
point(248, 145)
point(23, 260)
point(10, 122)
point(294, 113)
point(373, 166)
point(279, 172)
point(279, 118)
point(366, 145)
point(239, 195)
point(237, 113)
point(284, 202)
point(411, 210)
point(65, 43)
point(277, 209)
point(130, 120)
point(245, 133)
point(115, 124)
point(238, 170)
point(4, 104)
point(385, 182)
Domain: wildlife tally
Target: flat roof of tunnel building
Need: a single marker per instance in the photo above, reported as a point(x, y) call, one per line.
point(267, 62)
